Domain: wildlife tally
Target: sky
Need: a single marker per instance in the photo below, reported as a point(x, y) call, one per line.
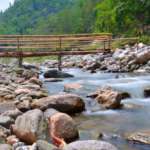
point(4, 4)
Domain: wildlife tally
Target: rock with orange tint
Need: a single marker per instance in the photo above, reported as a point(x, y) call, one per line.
point(72, 86)
point(67, 103)
point(12, 140)
point(30, 126)
point(109, 98)
point(62, 127)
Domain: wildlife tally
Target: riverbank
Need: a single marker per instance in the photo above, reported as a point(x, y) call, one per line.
point(28, 119)
point(128, 59)
point(42, 108)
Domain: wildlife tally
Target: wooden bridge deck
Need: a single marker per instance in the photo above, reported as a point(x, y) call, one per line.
point(21, 46)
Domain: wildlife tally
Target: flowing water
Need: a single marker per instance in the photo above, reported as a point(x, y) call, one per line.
point(135, 116)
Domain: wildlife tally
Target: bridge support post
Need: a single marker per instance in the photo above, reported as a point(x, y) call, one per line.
point(59, 62)
point(60, 56)
point(20, 61)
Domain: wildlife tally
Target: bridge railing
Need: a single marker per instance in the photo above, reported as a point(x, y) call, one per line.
point(55, 42)
point(42, 45)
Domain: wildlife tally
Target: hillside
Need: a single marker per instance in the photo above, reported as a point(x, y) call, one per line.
point(48, 16)
point(121, 17)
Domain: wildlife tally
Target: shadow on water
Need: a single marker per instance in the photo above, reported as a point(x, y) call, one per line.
point(113, 123)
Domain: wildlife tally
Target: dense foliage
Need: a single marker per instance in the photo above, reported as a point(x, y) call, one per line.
point(130, 17)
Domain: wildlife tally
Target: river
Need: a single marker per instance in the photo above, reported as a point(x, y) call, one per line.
point(114, 124)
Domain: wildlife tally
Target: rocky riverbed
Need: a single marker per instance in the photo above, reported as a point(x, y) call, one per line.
point(32, 119)
point(128, 59)
point(45, 109)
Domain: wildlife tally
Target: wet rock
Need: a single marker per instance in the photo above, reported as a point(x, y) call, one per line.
point(63, 127)
point(147, 92)
point(140, 137)
point(72, 86)
point(53, 80)
point(68, 103)
point(5, 147)
point(30, 126)
point(109, 98)
point(6, 121)
point(56, 74)
point(43, 145)
point(90, 145)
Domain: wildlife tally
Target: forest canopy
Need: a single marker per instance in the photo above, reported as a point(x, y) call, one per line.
point(120, 17)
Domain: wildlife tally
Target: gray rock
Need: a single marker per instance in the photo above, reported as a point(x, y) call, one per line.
point(56, 74)
point(43, 145)
point(140, 137)
point(12, 113)
point(68, 103)
point(6, 106)
point(90, 145)
point(30, 126)
point(49, 112)
point(5, 147)
point(6, 121)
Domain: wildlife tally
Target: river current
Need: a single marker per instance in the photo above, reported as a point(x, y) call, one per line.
point(114, 124)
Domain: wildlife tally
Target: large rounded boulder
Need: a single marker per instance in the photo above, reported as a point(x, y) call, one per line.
point(62, 128)
point(30, 126)
point(67, 103)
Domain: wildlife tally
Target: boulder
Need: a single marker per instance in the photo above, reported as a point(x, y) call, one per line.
point(140, 137)
point(6, 106)
point(72, 86)
point(44, 145)
point(56, 74)
point(30, 126)
point(143, 56)
point(62, 127)
point(23, 106)
point(109, 98)
point(49, 112)
point(90, 145)
point(5, 147)
point(12, 113)
point(6, 121)
point(147, 92)
point(68, 103)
